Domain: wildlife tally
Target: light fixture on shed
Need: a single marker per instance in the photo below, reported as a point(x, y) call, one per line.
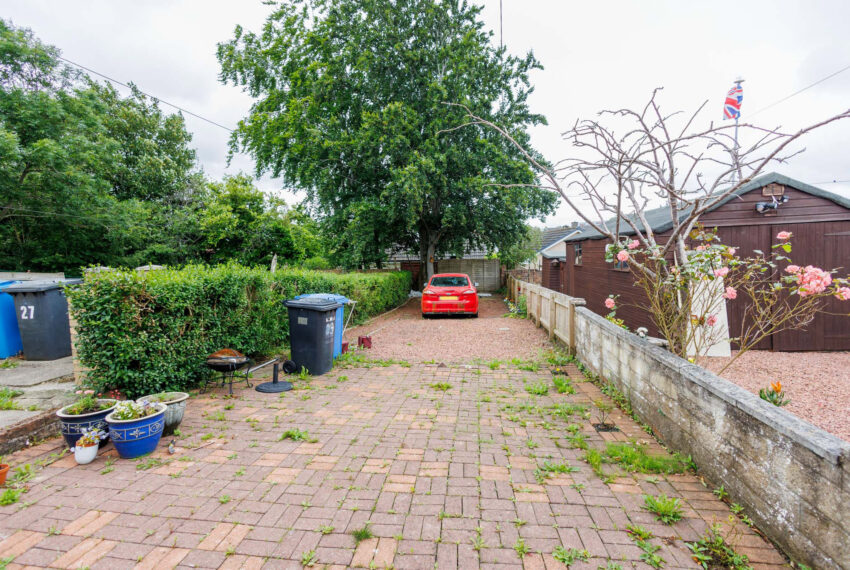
point(772, 206)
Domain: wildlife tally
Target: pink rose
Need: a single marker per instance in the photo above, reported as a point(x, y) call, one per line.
point(711, 320)
point(843, 294)
point(792, 269)
point(623, 255)
point(813, 280)
point(721, 272)
point(783, 236)
point(88, 392)
point(700, 248)
point(730, 293)
point(609, 302)
point(78, 392)
point(732, 250)
point(634, 244)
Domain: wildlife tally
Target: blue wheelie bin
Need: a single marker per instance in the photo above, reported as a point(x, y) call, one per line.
point(340, 315)
point(10, 336)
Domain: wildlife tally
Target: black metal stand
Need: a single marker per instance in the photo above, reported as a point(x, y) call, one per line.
point(274, 386)
point(228, 377)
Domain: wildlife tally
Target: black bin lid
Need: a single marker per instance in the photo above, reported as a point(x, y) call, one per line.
point(312, 304)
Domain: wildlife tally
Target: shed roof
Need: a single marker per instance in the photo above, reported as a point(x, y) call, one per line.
point(397, 253)
point(551, 236)
point(659, 218)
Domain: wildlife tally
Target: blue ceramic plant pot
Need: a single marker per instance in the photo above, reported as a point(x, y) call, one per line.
point(73, 426)
point(134, 438)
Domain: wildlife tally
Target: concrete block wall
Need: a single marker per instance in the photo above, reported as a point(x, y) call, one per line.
point(792, 478)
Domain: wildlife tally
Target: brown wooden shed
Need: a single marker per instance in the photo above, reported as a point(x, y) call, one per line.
point(552, 255)
point(819, 220)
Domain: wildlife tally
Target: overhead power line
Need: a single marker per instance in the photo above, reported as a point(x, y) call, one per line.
point(795, 93)
point(154, 97)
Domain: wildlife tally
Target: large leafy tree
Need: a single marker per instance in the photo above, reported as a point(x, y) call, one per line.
point(357, 103)
point(154, 161)
point(86, 177)
point(523, 250)
point(240, 222)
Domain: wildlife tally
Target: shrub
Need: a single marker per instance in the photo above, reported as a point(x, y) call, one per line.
point(316, 262)
point(144, 333)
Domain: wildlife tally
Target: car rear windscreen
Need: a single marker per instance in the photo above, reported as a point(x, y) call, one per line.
point(449, 282)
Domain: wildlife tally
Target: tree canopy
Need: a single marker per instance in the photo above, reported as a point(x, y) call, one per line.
point(357, 104)
point(88, 177)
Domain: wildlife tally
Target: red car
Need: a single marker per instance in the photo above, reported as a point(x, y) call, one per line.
point(450, 294)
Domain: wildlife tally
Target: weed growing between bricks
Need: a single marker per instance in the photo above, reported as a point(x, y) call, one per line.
point(485, 472)
point(714, 548)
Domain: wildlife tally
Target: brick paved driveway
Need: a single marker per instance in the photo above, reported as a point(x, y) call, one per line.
point(441, 478)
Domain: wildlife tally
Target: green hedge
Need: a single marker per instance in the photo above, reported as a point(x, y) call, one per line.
point(143, 333)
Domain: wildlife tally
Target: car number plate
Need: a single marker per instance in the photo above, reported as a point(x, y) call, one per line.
point(448, 298)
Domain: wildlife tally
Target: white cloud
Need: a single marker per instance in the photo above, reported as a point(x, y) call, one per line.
point(596, 55)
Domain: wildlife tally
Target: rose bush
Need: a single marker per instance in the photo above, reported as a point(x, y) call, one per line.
point(685, 296)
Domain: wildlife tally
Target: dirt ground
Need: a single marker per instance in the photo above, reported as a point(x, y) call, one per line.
point(403, 334)
point(818, 383)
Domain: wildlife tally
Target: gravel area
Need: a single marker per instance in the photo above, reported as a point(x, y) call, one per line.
point(403, 334)
point(818, 383)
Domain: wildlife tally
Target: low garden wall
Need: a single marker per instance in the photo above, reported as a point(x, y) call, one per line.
point(148, 332)
point(792, 478)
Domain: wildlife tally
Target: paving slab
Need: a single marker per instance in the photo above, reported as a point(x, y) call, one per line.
point(33, 372)
point(10, 417)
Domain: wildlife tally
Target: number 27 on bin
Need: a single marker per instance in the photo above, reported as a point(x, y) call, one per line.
point(27, 312)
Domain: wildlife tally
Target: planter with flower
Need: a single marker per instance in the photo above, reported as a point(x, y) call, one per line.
point(176, 406)
point(87, 413)
point(4, 470)
point(87, 445)
point(136, 427)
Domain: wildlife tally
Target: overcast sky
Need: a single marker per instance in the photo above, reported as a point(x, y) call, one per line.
point(596, 55)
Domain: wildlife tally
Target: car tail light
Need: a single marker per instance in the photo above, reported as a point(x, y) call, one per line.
point(429, 292)
point(469, 292)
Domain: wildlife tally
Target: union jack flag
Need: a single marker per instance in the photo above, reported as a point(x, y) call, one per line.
point(732, 106)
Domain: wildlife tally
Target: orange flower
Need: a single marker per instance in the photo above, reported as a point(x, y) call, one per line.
point(776, 386)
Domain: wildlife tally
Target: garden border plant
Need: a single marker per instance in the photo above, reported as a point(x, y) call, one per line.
point(147, 332)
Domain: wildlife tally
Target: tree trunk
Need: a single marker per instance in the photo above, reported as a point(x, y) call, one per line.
point(432, 251)
point(427, 251)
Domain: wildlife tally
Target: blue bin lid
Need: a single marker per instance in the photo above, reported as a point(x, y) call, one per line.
point(327, 296)
point(5, 283)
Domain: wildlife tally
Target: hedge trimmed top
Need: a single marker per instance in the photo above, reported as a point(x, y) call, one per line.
point(148, 332)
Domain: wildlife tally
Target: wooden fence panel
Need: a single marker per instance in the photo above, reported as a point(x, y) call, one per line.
point(553, 311)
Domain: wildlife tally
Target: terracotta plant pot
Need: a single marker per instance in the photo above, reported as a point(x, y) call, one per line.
point(85, 455)
point(4, 470)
